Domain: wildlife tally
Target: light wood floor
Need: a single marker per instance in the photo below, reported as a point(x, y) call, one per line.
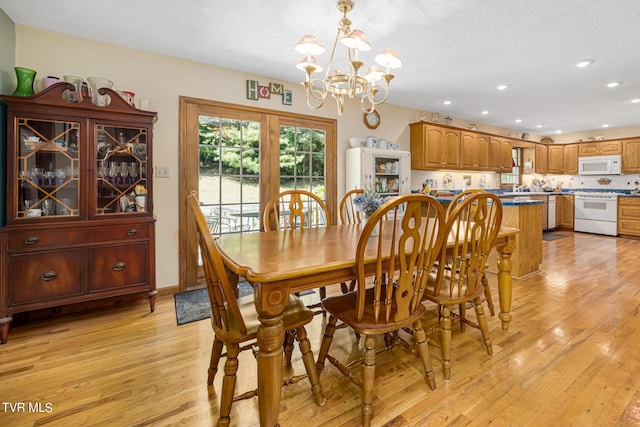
point(571, 357)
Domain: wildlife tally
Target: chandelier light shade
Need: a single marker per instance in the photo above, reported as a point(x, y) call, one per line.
point(372, 87)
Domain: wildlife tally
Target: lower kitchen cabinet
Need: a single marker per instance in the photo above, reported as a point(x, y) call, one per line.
point(565, 211)
point(629, 216)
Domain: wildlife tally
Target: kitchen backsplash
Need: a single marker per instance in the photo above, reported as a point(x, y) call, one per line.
point(452, 180)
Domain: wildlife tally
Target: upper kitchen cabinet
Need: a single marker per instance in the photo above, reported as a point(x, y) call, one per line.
point(506, 156)
point(555, 159)
point(570, 159)
point(434, 147)
point(600, 148)
point(541, 159)
point(500, 158)
point(631, 156)
point(474, 151)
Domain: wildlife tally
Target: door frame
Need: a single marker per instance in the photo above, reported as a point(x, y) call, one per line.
point(189, 110)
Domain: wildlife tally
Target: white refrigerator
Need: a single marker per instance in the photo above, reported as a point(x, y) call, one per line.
point(388, 171)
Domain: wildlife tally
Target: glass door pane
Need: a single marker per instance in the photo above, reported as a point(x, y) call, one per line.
point(229, 180)
point(121, 169)
point(48, 164)
point(302, 159)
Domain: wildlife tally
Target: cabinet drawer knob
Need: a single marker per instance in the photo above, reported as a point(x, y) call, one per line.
point(119, 266)
point(132, 232)
point(48, 275)
point(31, 240)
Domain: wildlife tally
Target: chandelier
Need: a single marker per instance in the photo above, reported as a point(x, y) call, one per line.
point(373, 87)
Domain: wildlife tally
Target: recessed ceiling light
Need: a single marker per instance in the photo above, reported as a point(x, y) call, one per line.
point(635, 101)
point(503, 87)
point(518, 120)
point(447, 102)
point(485, 112)
point(605, 125)
point(585, 63)
point(614, 84)
point(559, 131)
point(538, 126)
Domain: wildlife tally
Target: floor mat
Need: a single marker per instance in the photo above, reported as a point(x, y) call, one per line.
point(552, 236)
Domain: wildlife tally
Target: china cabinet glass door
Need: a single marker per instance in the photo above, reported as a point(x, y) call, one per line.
point(121, 168)
point(48, 165)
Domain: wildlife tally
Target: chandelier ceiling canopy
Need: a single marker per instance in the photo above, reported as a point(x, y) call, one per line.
point(372, 87)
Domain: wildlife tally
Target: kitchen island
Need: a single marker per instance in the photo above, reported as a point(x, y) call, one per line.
point(524, 215)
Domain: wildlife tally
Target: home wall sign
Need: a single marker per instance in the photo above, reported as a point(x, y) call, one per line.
point(256, 91)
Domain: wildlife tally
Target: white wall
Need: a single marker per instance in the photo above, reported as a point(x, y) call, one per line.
point(162, 80)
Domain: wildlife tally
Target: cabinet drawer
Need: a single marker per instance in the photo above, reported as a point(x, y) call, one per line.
point(629, 226)
point(629, 211)
point(120, 232)
point(38, 239)
point(46, 276)
point(118, 266)
point(629, 201)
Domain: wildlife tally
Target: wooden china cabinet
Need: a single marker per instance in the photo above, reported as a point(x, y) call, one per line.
point(80, 223)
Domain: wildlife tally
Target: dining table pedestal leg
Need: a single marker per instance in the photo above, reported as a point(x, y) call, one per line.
point(270, 306)
point(505, 281)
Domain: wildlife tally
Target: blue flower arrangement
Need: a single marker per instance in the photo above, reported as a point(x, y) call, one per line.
point(368, 202)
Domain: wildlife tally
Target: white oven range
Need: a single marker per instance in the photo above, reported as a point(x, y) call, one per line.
point(596, 213)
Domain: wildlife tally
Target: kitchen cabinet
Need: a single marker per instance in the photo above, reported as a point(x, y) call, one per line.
point(629, 216)
point(570, 159)
point(434, 147)
point(495, 153)
point(80, 223)
point(474, 151)
point(565, 211)
point(541, 159)
point(555, 159)
point(544, 214)
point(631, 156)
point(506, 156)
point(600, 148)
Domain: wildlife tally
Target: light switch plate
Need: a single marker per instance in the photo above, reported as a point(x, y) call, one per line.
point(162, 172)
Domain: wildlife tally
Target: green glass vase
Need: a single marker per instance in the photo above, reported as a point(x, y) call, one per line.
point(25, 81)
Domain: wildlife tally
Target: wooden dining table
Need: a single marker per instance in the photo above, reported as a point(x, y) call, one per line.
point(280, 262)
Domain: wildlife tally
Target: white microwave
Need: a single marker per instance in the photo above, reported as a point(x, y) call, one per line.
point(600, 165)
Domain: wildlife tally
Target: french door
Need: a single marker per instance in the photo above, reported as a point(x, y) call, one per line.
point(236, 158)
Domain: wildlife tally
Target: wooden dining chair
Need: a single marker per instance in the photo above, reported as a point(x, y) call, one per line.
point(485, 283)
point(235, 323)
point(292, 209)
point(471, 227)
point(389, 289)
point(349, 214)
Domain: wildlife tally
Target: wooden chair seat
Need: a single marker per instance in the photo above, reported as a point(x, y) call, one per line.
point(341, 307)
point(295, 315)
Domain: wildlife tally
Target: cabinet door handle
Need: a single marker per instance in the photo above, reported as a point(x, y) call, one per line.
point(132, 232)
point(48, 275)
point(119, 266)
point(31, 240)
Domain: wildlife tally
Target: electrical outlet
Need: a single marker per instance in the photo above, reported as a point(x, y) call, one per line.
point(162, 172)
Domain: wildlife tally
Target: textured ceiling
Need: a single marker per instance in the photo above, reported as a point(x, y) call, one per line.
point(458, 50)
